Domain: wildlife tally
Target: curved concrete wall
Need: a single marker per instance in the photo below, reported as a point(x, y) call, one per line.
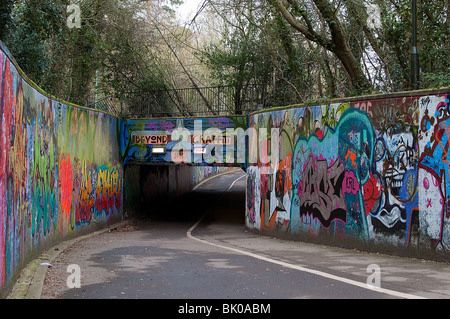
point(373, 169)
point(60, 170)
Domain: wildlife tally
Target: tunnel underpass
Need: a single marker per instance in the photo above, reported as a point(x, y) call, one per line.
point(186, 203)
point(68, 170)
point(203, 251)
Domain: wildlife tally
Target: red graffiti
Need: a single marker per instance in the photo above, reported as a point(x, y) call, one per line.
point(7, 107)
point(66, 179)
point(372, 193)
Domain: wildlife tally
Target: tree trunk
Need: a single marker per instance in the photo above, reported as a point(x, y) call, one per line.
point(338, 44)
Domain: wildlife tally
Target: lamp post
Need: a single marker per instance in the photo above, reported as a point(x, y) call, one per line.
point(415, 51)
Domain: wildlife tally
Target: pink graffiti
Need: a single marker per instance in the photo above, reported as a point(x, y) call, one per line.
point(153, 125)
point(7, 133)
point(350, 184)
point(167, 126)
point(220, 122)
point(426, 183)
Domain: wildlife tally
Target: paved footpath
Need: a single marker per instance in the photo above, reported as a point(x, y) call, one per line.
point(198, 248)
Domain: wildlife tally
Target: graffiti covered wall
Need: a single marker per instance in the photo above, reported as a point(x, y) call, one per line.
point(218, 141)
point(375, 170)
point(166, 157)
point(60, 170)
point(372, 169)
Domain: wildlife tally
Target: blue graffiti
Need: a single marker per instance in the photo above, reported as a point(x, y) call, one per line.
point(327, 179)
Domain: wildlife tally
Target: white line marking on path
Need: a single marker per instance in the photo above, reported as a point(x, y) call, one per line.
point(232, 184)
point(296, 267)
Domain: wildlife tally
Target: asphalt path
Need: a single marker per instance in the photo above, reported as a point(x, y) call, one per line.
point(197, 247)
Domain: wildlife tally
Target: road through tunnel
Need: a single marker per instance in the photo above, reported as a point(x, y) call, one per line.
point(370, 169)
point(181, 193)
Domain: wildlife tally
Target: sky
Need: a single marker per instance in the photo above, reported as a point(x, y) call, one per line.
point(188, 9)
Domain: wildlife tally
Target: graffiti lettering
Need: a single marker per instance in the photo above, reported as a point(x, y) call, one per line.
point(320, 191)
point(150, 139)
point(54, 173)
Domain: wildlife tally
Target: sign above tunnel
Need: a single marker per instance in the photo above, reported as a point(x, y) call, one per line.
point(212, 139)
point(218, 141)
point(150, 138)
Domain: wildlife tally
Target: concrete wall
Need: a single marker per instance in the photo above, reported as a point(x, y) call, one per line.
point(367, 169)
point(372, 169)
point(60, 170)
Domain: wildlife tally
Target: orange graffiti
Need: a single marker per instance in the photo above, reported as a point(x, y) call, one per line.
point(66, 179)
point(352, 157)
point(85, 199)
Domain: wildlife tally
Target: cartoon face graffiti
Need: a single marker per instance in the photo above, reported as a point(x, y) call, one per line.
point(397, 165)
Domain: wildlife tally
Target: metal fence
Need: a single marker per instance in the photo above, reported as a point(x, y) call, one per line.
point(107, 104)
point(196, 101)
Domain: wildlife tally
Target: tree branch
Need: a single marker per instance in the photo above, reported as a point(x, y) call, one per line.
point(307, 32)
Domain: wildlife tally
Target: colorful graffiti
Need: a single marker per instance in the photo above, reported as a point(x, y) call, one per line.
point(434, 191)
point(198, 141)
point(330, 171)
point(59, 169)
point(374, 169)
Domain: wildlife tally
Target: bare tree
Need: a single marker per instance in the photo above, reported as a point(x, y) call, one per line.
point(336, 40)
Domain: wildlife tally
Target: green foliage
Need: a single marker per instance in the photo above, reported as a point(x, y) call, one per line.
point(240, 58)
point(109, 53)
point(433, 34)
point(5, 17)
point(306, 45)
point(31, 26)
point(255, 50)
point(121, 49)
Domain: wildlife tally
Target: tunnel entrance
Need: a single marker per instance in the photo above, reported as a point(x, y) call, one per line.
point(182, 193)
